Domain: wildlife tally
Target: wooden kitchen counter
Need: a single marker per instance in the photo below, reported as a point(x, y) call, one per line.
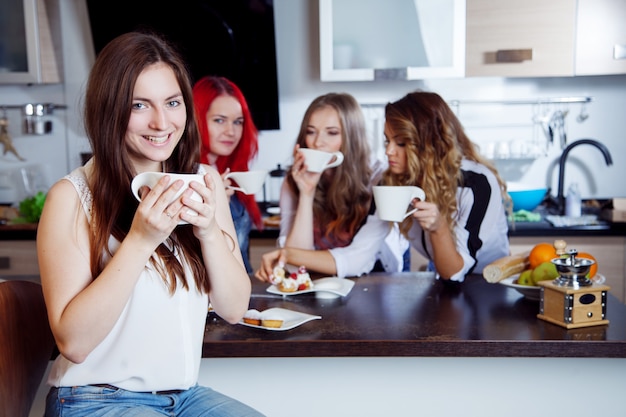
point(409, 314)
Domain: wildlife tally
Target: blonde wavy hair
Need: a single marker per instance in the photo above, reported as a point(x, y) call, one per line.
point(435, 143)
point(343, 195)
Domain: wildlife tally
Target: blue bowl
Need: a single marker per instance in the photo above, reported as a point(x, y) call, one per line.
point(526, 197)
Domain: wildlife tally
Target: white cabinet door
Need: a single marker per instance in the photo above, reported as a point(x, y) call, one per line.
point(18, 257)
point(601, 37)
point(512, 38)
point(364, 40)
point(27, 52)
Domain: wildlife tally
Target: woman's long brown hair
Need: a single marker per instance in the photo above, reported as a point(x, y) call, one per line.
point(108, 104)
point(435, 143)
point(343, 195)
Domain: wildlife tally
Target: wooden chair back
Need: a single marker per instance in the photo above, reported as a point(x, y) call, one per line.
point(26, 345)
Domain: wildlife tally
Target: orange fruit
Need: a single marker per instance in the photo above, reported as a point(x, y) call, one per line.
point(594, 268)
point(541, 252)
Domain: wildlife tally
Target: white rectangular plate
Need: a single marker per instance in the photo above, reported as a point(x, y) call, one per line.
point(290, 318)
point(334, 285)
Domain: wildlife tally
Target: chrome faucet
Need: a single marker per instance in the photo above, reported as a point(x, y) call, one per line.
point(607, 158)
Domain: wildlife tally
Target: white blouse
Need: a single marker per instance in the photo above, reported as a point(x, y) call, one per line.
point(481, 225)
point(377, 240)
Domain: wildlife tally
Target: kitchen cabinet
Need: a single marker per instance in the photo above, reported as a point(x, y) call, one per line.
point(364, 40)
point(18, 258)
point(609, 251)
point(509, 38)
point(601, 37)
point(27, 45)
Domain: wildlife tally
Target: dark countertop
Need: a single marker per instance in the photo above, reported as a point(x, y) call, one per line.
point(519, 229)
point(545, 228)
point(408, 314)
point(18, 231)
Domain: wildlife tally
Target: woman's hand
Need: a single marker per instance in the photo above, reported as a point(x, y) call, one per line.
point(227, 183)
point(204, 222)
point(445, 255)
point(305, 180)
point(268, 262)
point(427, 215)
point(156, 218)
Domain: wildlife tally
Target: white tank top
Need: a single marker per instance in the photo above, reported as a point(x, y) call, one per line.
point(156, 343)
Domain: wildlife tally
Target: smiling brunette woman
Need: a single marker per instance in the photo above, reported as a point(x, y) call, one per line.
point(127, 289)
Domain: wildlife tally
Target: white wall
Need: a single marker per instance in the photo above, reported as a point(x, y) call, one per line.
point(405, 386)
point(298, 67)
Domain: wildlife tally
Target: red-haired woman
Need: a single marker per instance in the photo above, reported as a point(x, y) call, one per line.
point(229, 143)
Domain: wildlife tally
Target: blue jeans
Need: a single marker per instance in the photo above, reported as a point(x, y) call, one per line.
point(243, 224)
point(96, 401)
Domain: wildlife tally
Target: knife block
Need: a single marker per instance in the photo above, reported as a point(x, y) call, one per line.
point(573, 307)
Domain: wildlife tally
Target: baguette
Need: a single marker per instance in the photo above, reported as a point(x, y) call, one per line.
point(505, 267)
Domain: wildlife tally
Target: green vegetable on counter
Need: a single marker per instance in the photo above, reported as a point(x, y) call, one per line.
point(31, 208)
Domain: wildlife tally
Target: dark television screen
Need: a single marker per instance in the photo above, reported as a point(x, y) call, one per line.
point(231, 38)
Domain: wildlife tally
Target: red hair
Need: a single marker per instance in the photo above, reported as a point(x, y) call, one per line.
point(205, 91)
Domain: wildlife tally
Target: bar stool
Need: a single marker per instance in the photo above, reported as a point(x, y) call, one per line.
point(26, 345)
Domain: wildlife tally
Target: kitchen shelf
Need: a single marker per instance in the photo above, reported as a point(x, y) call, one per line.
point(49, 107)
point(553, 100)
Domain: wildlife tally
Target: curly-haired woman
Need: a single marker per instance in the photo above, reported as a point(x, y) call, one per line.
point(462, 226)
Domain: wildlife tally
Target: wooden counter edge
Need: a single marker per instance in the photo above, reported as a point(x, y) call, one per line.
point(416, 348)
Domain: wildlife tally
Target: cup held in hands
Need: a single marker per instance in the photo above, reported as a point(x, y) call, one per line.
point(149, 179)
point(393, 201)
point(249, 182)
point(318, 161)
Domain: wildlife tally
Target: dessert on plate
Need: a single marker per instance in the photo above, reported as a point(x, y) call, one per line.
point(295, 281)
point(252, 316)
point(271, 319)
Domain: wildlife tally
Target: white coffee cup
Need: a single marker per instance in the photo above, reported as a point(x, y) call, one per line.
point(318, 161)
point(392, 201)
point(249, 182)
point(149, 179)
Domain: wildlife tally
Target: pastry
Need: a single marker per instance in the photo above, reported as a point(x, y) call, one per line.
point(303, 279)
point(296, 281)
point(252, 316)
point(271, 319)
point(289, 284)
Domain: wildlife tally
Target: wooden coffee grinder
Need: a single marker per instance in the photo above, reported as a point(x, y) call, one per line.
point(572, 300)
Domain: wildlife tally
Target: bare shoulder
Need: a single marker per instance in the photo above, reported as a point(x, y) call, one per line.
point(62, 191)
point(62, 208)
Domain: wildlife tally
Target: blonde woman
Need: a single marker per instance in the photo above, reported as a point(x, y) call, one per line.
point(322, 213)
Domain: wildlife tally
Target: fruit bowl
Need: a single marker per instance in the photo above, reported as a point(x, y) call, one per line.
point(530, 292)
point(525, 197)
